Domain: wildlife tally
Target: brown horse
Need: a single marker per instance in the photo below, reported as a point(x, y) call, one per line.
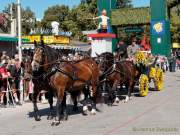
point(75, 76)
point(67, 76)
point(117, 73)
point(39, 77)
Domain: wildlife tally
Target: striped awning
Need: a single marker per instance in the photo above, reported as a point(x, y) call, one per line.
point(27, 46)
point(64, 47)
point(31, 46)
point(11, 39)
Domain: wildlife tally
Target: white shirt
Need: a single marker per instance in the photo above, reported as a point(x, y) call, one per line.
point(104, 19)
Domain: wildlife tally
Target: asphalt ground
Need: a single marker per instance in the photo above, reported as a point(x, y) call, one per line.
point(156, 114)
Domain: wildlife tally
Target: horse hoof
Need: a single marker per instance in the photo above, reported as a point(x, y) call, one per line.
point(52, 124)
point(37, 119)
point(117, 100)
point(65, 117)
point(110, 104)
point(85, 113)
point(85, 110)
point(55, 123)
point(49, 117)
point(125, 101)
point(93, 112)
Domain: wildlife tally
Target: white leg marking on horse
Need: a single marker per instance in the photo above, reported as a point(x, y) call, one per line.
point(93, 111)
point(85, 108)
point(127, 99)
point(117, 100)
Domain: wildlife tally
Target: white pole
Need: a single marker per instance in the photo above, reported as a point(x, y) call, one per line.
point(19, 49)
point(19, 30)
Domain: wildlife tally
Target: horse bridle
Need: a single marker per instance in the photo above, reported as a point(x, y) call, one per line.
point(112, 68)
point(43, 56)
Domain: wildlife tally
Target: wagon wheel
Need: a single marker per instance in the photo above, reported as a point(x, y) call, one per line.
point(143, 85)
point(152, 73)
point(159, 80)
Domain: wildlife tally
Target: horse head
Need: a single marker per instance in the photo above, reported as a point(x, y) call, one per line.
point(38, 57)
point(44, 57)
point(105, 61)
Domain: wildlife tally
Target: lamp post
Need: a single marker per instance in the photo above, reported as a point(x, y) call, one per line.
point(19, 49)
point(19, 30)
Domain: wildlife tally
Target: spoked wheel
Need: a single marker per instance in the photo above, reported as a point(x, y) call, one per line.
point(152, 73)
point(143, 85)
point(159, 80)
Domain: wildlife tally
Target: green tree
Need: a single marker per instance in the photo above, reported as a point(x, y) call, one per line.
point(55, 13)
point(75, 20)
point(28, 20)
point(27, 17)
point(175, 24)
point(83, 15)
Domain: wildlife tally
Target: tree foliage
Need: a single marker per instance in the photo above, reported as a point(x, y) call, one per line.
point(175, 24)
point(75, 20)
point(55, 13)
point(28, 20)
point(27, 17)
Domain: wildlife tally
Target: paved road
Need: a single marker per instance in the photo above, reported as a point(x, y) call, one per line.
point(156, 114)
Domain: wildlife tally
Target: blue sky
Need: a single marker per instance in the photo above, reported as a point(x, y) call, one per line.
point(39, 6)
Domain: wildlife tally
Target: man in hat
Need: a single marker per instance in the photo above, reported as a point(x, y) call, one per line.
point(132, 49)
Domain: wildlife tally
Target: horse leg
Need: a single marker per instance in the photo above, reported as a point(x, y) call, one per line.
point(50, 100)
point(94, 96)
point(59, 107)
point(113, 93)
point(74, 99)
point(117, 100)
point(85, 107)
point(36, 111)
point(56, 122)
point(75, 107)
point(104, 91)
point(130, 87)
point(86, 94)
point(64, 108)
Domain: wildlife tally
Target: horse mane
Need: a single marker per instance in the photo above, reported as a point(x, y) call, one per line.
point(52, 53)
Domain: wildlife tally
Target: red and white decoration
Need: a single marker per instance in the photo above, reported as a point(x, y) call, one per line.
point(101, 42)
